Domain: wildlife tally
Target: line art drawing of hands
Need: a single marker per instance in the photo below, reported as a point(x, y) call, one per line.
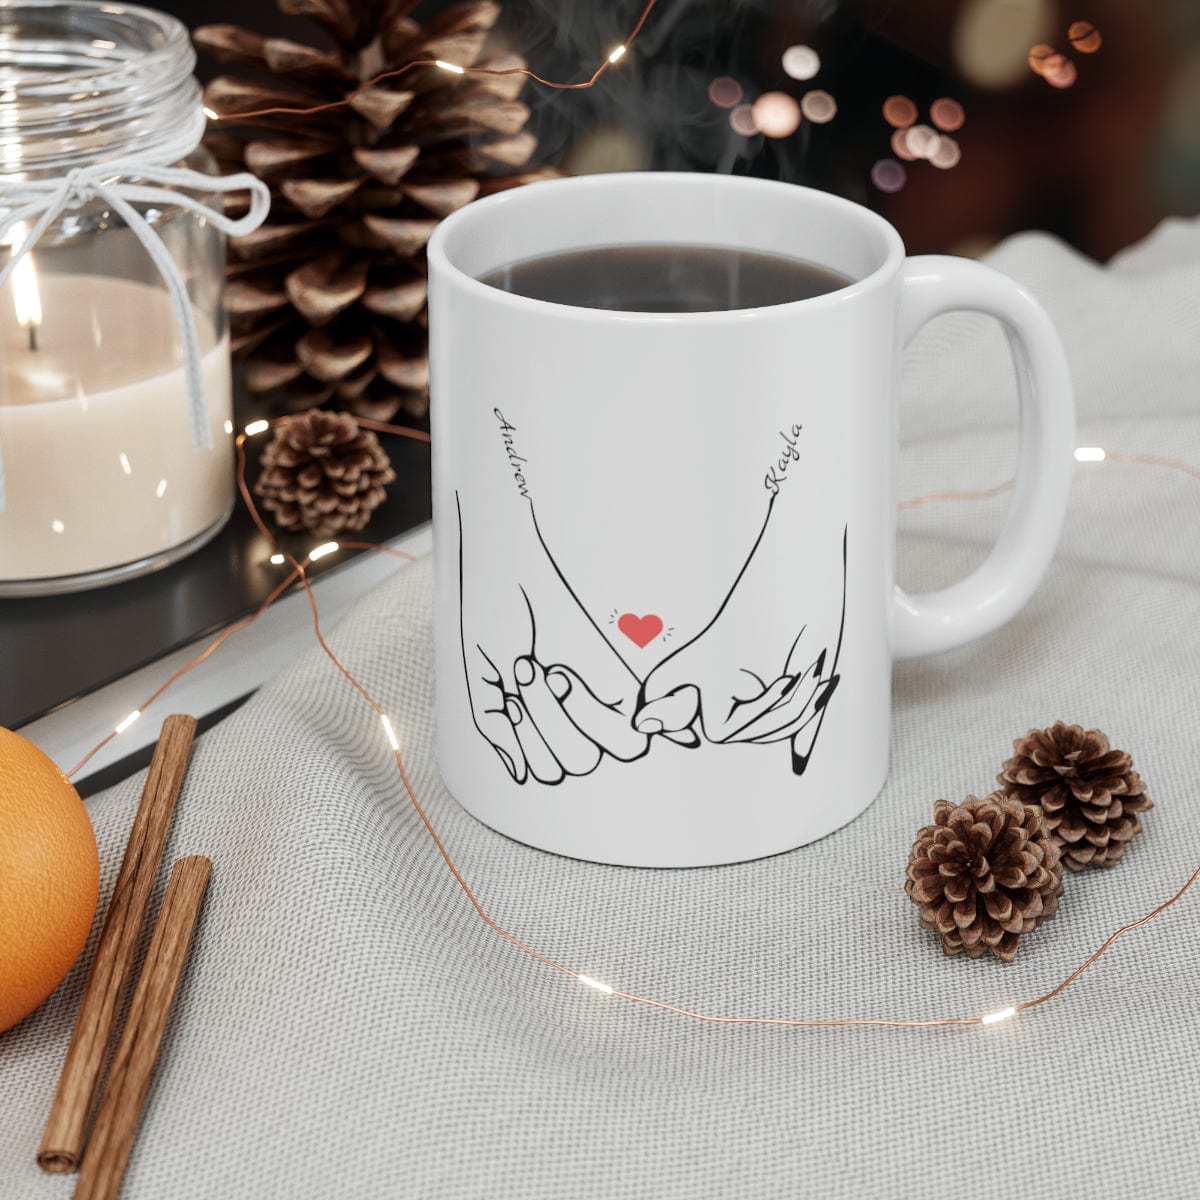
point(745, 677)
point(546, 689)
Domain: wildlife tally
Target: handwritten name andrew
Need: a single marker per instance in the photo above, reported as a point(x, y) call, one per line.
point(515, 461)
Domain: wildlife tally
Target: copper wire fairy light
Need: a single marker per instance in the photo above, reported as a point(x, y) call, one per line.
point(614, 56)
point(298, 573)
point(211, 649)
point(1153, 460)
point(941, 497)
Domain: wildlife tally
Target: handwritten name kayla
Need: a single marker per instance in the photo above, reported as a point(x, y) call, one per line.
point(514, 459)
point(777, 474)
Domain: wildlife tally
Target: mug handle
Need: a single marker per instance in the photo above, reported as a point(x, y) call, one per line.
point(1000, 586)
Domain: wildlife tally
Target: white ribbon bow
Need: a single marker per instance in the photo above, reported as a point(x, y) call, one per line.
point(44, 201)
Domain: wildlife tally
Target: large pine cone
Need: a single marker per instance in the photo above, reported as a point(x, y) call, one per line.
point(327, 299)
point(322, 473)
point(1089, 794)
point(984, 873)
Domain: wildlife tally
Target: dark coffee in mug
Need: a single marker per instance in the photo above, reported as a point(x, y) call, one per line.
point(665, 278)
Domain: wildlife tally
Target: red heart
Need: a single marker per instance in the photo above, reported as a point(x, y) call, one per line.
point(641, 631)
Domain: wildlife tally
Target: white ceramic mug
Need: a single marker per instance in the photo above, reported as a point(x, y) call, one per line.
point(664, 543)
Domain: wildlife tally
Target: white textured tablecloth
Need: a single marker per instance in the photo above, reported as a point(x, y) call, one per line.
point(348, 1028)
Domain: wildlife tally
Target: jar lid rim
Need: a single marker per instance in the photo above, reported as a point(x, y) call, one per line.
point(88, 81)
point(171, 35)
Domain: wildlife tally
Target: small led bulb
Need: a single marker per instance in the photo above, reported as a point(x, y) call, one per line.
point(1002, 1015)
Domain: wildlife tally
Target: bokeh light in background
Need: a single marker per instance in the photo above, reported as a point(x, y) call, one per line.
point(900, 145)
point(888, 175)
point(741, 120)
point(911, 141)
point(801, 62)
point(946, 153)
point(818, 106)
point(921, 141)
point(1085, 37)
point(991, 38)
point(947, 114)
point(775, 114)
point(724, 91)
point(1038, 55)
point(1059, 71)
point(899, 111)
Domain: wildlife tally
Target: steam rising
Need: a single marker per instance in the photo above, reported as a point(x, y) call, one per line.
point(652, 109)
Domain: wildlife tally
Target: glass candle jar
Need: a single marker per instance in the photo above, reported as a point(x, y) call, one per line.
point(109, 471)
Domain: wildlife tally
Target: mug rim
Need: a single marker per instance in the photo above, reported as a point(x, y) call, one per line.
point(481, 210)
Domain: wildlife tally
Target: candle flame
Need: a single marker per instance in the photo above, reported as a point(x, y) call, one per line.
point(27, 299)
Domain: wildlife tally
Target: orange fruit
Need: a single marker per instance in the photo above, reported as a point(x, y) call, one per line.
point(49, 877)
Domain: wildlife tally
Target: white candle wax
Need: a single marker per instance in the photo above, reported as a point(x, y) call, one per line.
point(95, 433)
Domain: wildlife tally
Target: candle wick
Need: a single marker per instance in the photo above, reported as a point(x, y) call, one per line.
point(33, 345)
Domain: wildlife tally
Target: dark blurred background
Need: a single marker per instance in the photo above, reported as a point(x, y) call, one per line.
point(961, 120)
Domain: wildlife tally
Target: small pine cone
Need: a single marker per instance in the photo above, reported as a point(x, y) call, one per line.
point(1089, 794)
point(322, 473)
point(985, 872)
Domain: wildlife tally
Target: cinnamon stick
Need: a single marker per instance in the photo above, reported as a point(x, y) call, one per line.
point(66, 1126)
point(129, 1077)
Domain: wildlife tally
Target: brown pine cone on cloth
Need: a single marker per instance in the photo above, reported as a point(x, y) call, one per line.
point(984, 873)
point(327, 299)
point(322, 473)
point(1089, 794)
